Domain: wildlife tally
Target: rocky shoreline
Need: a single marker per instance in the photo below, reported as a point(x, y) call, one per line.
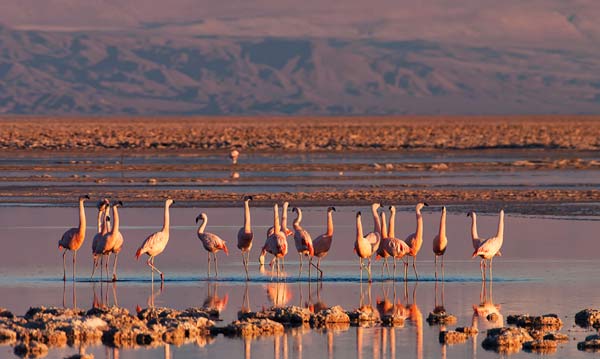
point(42, 328)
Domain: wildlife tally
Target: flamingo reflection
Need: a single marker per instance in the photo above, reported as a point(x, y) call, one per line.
point(279, 294)
point(213, 302)
point(415, 317)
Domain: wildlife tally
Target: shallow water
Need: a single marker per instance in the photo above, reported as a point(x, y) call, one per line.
point(548, 265)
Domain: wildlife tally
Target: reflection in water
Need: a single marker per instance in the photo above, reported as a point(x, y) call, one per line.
point(213, 301)
point(487, 312)
point(416, 317)
point(279, 294)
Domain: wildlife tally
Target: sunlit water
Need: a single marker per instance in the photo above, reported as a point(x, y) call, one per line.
point(549, 265)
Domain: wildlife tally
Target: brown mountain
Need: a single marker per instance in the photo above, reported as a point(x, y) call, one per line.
point(144, 71)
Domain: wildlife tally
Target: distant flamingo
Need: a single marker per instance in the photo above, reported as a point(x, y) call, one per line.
point(245, 235)
point(302, 240)
point(396, 247)
point(440, 242)
point(415, 240)
point(114, 239)
point(73, 238)
point(322, 243)
point(211, 242)
point(365, 246)
point(233, 155)
point(475, 239)
point(490, 247)
point(156, 242)
point(103, 219)
point(276, 243)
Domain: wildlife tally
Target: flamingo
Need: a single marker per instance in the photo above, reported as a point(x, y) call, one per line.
point(211, 242)
point(322, 243)
point(114, 239)
point(73, 238)
point(103, 220)
point(381, 251)
point(415, 240)
point(365, 246)
point(302, 240)
point(245, 235)
point(286, 231)
point(156, 243)
point(276, 243)
point(440, 242)
point(475, 239)
point(395, 247)
point(233, 155)
point(490, 247)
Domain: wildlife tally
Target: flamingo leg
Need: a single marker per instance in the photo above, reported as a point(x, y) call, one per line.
point(245, 262)
point(435, 264)
point(387, 266)
point(74, 263)
point(310, 263)
point(442, 268)
point(208, 257)
point(94, 265)
point(151, 264)
point(394, 277)
point(216, 265)
point(64, 265)
point(300, 270)
point(360, 261)
point(369, 269)
point(405, 269)
point(481, 269)
point(106, 265)
point(114, 278)
point(319, 268)
point(415, 267)
point(491, 277)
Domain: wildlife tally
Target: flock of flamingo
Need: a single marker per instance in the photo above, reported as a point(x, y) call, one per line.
point(380, 242)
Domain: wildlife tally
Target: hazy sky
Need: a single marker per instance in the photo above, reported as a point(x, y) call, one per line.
point(563, 24)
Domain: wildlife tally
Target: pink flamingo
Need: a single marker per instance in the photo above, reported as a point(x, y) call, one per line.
point(365, 246)
point(103, 224)
point(381, 251)
point(440, 242)
point(211, 242)
point(286, 231)
point(245, 235)
point(114, 239)
point(302, 240)
point(396, 247)
point(73, 238)
point(490, 247)
point(322, 243)
point(156, 242)
point(415, 240)
point(276, 243)
point(475, 239)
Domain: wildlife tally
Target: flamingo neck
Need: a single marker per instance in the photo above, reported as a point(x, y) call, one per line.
point(443, 224)
point(392, 227)
point(81, 219)
point(376, 221)
point(330, 224)
point(419, 231)
point(384, 231)
point(116, 219)
point(106, 222)
point(500, 232)
point(298, 220)
point(359, 229)
point(284, 217)
point(276, 226)
point(247, 226)
point(166, 221)
point(203, 225)
point(474, 233)
point(100, 221)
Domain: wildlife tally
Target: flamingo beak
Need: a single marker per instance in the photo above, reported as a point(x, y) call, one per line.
point(225, 249)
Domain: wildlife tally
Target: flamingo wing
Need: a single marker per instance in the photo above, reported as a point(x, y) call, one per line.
point(154, 244)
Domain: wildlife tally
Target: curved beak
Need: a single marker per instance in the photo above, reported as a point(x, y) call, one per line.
point(198, 218)
point(333, 209)
point(225, 249)
point(358, 214)
point(87, 196)
point(425, 204)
